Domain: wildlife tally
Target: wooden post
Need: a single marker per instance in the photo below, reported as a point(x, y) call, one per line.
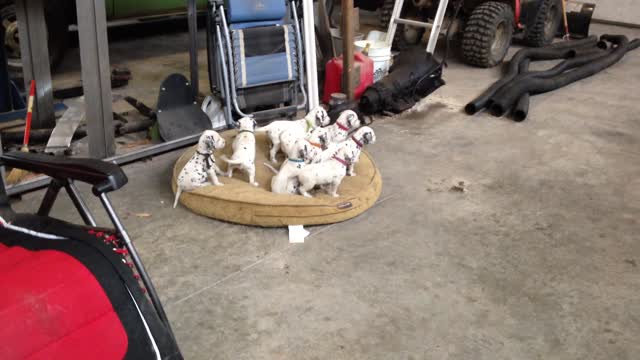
point(347, 48)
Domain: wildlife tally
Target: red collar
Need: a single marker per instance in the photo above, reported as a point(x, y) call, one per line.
point(341, 161)
point(360, 146)
point(342, 127)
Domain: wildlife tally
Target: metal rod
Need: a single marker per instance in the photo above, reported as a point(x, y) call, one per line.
point(234, 97)
point(192, 12)
point(35, 59)
point(79, 203)
point(225, 81)
point(310, 51)
point(395, 14)
point(414, 23)
point(96, 76)
point(437, 25)
point(49, 198)
point(301, 65)
point(136, 259)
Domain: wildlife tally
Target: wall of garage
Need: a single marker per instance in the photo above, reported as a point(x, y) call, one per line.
point(625, 11)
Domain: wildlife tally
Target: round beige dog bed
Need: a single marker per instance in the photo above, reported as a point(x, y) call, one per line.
point(239, 202)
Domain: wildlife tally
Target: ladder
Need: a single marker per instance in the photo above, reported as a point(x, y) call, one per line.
point(435, 26)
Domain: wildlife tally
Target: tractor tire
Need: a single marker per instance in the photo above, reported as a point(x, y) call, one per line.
point(385, 12)
point(57, 31)
point(405, 37)
point(487, 34)
point(542, 28)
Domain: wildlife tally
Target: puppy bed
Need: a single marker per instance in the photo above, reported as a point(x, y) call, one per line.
point(239, 202)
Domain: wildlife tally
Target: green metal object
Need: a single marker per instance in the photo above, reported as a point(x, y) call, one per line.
point(142, 8)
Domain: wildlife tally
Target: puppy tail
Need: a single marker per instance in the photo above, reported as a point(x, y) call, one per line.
point(229, 161)
point(271, 168)
point(178, 193)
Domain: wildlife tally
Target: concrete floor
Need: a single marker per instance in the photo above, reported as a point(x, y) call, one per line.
point(538, 260)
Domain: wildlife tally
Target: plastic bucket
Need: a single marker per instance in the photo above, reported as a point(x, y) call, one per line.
point(337, 39)
point(380, 54)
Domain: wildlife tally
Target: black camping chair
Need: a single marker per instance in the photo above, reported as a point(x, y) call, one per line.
point(70, 291)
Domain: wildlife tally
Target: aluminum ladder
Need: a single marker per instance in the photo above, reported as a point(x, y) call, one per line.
point(435, 26)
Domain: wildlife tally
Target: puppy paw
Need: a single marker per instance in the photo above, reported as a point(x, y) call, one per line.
point(255, 184)
point(219, 184)
point(335, 195)
point(307, 195)
point(351, 174)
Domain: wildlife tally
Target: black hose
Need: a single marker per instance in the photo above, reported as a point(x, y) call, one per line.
point(554, 51)
point(521, 110)
point(507, 96)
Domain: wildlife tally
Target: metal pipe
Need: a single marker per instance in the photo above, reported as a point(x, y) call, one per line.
point(414, 23)
point(49, 198)
point(155, 300)
point(310, 49)
point(193, 45)
point(437, 25)
point(301, 67)
point(225, 80)
point(234, 97)
point(79, 203)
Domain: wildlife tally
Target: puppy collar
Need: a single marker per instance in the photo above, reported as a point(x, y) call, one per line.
point(342, 127)
point(310, 125)
point(209, 160)
point(296, 160)
point(242, 131)
point(358, 143)
point(341, 161)
point(319, 146)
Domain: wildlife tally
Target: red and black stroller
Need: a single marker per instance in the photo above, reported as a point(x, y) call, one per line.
point(70, 291)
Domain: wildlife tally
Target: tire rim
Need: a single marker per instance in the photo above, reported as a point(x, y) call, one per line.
point(11, 39)
point(499, 42)
point(550, 25)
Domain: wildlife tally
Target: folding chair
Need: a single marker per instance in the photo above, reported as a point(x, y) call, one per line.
point(255, 54)
point(70, 291)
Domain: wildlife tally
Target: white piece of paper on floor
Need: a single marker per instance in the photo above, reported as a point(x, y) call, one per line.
point(297, 234)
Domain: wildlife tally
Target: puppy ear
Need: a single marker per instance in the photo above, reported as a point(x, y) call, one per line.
point(323, 141)
point(368, 137)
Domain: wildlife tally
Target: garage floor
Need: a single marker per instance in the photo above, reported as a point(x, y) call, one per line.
point(539, 259)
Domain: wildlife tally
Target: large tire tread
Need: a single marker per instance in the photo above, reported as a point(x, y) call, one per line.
point(480, 30)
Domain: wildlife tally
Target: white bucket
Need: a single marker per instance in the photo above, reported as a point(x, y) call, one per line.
point(380, 53)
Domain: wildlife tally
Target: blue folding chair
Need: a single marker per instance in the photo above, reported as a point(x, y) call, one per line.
point(256, 61)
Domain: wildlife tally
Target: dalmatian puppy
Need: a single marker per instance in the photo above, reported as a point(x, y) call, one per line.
point(291, 142)
point(284, 181)
point(346, 122)
point(359, 138)
point(201, 169)
point(328, 174)
point(356, 142)
point(317, 117)
point(244, 151)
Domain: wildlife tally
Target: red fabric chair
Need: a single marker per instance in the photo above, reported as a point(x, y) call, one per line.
point(75, 292)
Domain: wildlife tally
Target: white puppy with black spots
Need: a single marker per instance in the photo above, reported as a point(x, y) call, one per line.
point(328, 174)
point(291, 140)
point(317, 117)
point(201, 169)
point(244, 151)
point(346, 122)
point(284, 181)
point(356, 142)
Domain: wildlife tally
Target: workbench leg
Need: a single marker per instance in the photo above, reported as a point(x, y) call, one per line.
point(347, 48)
point(193, 46)
point(96, 76)
point(35, 59)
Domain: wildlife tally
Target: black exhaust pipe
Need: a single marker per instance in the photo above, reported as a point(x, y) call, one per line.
point(554, 51)
point(506, 97)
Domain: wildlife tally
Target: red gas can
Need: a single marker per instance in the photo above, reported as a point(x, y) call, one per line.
point(363, 66)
